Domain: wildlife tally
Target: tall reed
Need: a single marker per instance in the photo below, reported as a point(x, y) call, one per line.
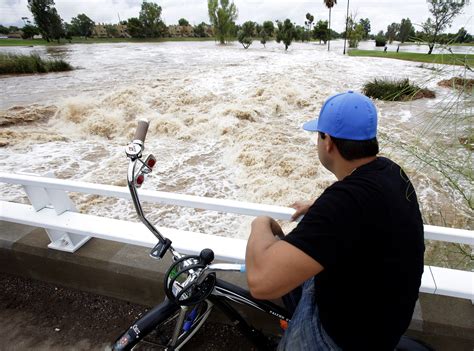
point(33, 63)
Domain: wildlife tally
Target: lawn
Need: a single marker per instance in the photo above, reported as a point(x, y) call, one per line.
point(448, 59)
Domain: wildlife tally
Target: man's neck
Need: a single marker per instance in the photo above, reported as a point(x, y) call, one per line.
point(346, 168)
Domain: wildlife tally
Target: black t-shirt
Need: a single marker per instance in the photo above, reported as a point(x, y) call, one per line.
point(367, 233)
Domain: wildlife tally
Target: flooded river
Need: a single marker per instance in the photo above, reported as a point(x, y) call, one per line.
point(225, 123)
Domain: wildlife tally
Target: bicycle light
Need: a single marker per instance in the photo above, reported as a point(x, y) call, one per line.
point(151, 161)
point(139, 180)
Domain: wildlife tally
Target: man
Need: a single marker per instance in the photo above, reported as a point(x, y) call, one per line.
point(358, 249)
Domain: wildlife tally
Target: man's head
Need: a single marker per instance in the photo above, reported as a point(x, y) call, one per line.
point(349, 121)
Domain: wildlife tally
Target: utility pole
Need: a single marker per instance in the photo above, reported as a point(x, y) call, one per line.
point(347, 22)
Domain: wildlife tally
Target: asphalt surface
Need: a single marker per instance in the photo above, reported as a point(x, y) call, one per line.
point(39, 316)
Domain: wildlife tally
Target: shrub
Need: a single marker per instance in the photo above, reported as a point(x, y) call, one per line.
point(18, 64)
point(380, 40)
point(395, 90)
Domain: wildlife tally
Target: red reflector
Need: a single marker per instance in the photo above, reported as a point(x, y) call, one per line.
point(140, 179)
point(151, 162)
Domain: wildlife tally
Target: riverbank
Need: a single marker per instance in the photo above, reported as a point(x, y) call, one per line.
point(447, 59)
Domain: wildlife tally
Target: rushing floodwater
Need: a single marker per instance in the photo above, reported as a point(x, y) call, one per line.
point(225, 122)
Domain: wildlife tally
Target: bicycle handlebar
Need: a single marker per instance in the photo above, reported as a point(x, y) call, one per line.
point(142, 129)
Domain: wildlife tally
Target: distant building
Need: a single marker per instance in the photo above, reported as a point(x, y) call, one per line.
point(110, 31)
point(99, 31)
point(176, 31)
point(15, 35)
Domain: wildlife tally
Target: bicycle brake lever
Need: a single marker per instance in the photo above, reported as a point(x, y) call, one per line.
point(159, 251)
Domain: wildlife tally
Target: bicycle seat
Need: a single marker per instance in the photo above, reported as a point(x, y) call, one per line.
point(407, 343)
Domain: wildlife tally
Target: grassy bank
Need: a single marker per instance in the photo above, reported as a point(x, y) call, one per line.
point(20, 64)
point(77, 40)
point(447, 59)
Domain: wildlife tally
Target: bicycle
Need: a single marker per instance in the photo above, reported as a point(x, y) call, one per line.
point(191, 285)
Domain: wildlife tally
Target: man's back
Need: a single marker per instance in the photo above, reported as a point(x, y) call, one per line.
point(367, 233)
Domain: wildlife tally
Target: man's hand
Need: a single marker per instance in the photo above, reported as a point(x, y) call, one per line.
point(301, 208)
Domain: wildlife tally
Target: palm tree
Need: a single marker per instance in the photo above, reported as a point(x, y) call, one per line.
point(329, 4)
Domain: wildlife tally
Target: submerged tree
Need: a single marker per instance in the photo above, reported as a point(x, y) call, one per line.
point(222, 14)
point(263, 37)
point(329, 4)
point(245, 34)
point(320, 31)
point(269, 28)
point(286, 33)
point(443, 12)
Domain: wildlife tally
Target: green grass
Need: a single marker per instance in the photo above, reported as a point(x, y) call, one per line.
point(447, 59)
point(395, 90)
point(77, 40)
point(22, 64)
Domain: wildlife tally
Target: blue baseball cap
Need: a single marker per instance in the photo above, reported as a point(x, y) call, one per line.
point(348, 115)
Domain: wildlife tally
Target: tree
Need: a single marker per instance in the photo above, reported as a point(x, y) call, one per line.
point(443, 12)
point(46, 18)
point(82, 25)
point(366, 25)
point(222, 14)
point(462, 36)
point(183, 22)
point(309, 21)
point(150, 18)
point(286, 33)
point(135, 28)
point(320, 31)
point(380, 39)
point(245, 34)
point(29, 31)
point(112, 31)
point(200, 30)
point(329, 4)
point(264, 37)
point(355, 32)
point(269, 28)
point(406, 31)
point(392, 32)
point(4, 30)
point(57, 26)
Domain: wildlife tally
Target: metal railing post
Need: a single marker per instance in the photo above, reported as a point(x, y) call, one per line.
point(41, 198)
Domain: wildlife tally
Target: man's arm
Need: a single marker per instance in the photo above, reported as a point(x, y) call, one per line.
point(275, 267)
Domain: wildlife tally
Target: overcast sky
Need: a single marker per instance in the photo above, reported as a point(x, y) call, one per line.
point(380, 12)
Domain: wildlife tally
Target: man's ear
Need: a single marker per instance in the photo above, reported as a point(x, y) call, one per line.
point(329, 144)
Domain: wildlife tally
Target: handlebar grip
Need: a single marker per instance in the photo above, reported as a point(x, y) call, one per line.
point(141, 131)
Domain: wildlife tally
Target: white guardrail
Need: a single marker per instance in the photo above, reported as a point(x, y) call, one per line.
point(52, 209)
